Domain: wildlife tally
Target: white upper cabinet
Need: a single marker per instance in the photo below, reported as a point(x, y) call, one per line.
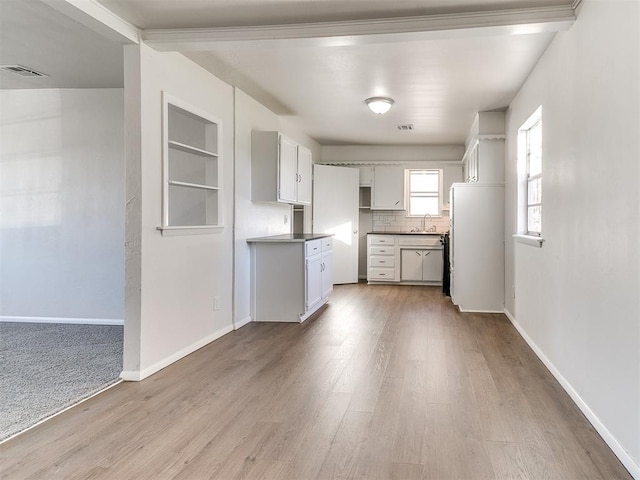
point(280, 169)
point(305, 175)
point(287, 167)
point(483, 161)
point(388, 188)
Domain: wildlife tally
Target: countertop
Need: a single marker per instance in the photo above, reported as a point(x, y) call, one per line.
point(439, 234)
point(289, 238)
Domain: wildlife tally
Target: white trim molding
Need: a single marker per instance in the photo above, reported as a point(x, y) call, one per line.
point(97, 17)
point(241, 323)
point(476, 139)
point(73, 321)
point(368, 31)
point(528, 239)
point(138, 375)
point(607, 436)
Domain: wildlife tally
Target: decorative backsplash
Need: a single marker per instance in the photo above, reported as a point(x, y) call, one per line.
point(390, 221)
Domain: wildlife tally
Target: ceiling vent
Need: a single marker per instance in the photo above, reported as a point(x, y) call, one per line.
point(22, 71)
point(406, 127)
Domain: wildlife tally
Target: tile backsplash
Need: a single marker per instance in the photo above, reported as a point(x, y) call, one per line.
point(397, 221)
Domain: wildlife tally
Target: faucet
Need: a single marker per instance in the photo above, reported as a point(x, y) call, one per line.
point(424, 221)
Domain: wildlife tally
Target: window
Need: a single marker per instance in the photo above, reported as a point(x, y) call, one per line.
point(530, 168)
point(424, 192)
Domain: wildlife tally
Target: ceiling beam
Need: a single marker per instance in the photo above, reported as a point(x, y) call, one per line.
point(97, 17)
point(385, 30)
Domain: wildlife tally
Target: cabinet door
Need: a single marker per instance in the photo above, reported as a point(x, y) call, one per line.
point(411, 268)
point(327, 273)
point(432, 265)
point(287, 170)
point(305, 169)
point(473, 166)
point(388, 188)
point(313, 277)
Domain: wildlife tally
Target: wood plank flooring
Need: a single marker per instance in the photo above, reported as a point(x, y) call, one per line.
point(387, 382)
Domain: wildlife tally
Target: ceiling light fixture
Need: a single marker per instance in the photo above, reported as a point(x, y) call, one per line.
point(379, 105)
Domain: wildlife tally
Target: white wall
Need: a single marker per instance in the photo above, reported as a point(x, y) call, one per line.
point(256, 219)
point(391, 153)
point(171, 281)
point(62, 205)
point(577, 297)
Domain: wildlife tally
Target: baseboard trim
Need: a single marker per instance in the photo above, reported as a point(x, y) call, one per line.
point(607, 436)
point(479, 311)
point(242, 322)
point(73, 321)
point(138, 375)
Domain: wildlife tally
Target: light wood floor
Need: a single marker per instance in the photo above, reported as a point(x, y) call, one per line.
point(386, 382)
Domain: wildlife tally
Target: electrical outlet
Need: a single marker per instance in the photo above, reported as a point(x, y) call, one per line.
point(286, 219)
point(216, 303)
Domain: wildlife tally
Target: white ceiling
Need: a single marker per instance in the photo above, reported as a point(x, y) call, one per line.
point(438, 82)
point(36, 36)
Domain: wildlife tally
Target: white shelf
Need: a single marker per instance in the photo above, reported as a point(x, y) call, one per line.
point(192, 190)
point(193, 230)
point(192, 185)
point(183, 147)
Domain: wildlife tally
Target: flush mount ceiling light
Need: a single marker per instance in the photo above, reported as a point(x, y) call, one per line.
point(379, 105)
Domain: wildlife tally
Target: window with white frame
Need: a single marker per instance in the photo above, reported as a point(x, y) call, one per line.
point(424, 192)
point(530, 151)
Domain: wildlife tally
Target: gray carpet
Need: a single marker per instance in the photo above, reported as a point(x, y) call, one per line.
point(47, 367)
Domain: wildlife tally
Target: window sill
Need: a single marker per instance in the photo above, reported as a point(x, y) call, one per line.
point(529, 240)
point(195, 230)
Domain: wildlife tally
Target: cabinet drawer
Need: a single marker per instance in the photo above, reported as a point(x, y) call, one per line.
point(375, 261)
point(313, 247)
point(327, 244)
point(383, 240)
point(382, 274)
point(382, 251)
point(416, 240)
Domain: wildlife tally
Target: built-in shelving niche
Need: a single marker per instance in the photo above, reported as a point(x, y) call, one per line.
point(192, 192)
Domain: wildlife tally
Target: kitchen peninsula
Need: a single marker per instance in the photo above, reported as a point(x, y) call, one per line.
point(291, 276)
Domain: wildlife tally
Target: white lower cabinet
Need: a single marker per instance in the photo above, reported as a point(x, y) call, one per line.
point(401, 258)
point(313, 280)
point(327, 267)
point(290, 279)
point(421, 265)
point(319, 281)
point(381, 258)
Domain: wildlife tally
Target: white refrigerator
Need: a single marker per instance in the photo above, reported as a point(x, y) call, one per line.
point(476, 254)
